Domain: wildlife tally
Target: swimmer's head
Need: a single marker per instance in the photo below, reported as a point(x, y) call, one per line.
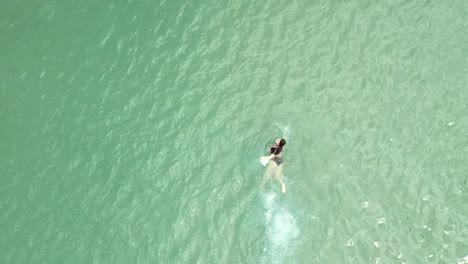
point(281, 142)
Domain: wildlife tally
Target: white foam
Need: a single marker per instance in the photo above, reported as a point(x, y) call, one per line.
point(283, 229)
point(268, 204)
point(463, 260)
point(269, 200)
point(281, 224)
point(268, 215)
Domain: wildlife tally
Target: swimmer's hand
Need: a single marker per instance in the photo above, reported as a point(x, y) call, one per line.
point(283, 187)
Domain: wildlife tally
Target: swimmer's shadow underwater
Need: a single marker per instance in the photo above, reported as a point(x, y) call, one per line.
point(274, 163)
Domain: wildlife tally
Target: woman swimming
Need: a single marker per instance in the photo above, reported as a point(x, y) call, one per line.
point(275, 162)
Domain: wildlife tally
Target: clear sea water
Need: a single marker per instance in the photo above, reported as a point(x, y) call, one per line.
point(131, 130)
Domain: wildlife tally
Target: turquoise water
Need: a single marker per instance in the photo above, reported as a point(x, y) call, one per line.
point(131, 131)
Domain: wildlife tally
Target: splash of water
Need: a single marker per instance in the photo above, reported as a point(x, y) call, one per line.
point(281, 229)
point(269, 203)
point(463, 260)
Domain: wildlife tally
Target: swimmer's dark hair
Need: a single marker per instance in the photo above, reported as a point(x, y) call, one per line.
point(282, 142)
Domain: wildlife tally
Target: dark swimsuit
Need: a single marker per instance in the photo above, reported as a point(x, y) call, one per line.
point(276, 150)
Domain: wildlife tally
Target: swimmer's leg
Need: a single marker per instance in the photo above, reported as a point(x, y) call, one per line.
point(268, 172)
point(279, 178)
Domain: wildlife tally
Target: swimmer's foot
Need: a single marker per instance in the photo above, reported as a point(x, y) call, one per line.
point(283, 187)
